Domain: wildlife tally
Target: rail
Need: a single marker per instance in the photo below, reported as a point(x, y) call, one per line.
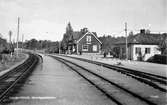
point(147, 78)
point(9, 80)
point(77, 68)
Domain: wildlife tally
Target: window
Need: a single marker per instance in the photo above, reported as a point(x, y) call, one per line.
point(88, 39)
point(84, 47)
point(94, 47)
point(147, 50)
point(138, 50)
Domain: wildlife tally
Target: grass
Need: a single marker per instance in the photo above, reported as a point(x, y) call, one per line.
point(7, 60)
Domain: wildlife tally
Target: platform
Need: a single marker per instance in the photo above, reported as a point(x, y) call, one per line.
point(52, 83)
point(153, 68)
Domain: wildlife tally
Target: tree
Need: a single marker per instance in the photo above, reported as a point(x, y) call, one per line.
point(33, 44)
point(48, 46)
point(69, 33)
point(108, 42)
point(68, 39)
point(163, 44)
point(84, 30)
point(3, 44)
point(53, 47)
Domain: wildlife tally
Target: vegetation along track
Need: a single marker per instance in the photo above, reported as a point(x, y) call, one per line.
point(9, 81)
point(152, 80)
point(117, 93)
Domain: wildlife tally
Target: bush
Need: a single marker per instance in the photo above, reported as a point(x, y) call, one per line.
point(161, 59)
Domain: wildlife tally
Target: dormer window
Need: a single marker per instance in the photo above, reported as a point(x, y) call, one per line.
point(88, 39)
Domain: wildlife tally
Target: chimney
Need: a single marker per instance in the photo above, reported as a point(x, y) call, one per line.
point(142, 31)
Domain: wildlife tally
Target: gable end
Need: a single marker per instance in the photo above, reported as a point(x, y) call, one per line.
point(92, 35)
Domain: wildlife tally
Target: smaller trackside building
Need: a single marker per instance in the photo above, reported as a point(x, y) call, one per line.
point(141, 46)
point(136, 50)
point(88, 43)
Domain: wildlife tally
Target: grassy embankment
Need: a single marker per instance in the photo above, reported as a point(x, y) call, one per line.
point(7, 61)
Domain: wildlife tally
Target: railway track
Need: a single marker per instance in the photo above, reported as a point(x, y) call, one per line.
point(9, 81)
point(117, 93)
point(155, 81)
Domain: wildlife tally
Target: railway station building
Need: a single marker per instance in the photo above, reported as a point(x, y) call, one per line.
point(86, 43)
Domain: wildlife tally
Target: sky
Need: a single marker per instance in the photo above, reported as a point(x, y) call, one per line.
point(47, 19)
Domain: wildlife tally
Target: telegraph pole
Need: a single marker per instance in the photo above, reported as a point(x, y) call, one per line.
point(10, 35)
point(59, 46)
point(22, 41)
point(126, 41)
point(18, 26)
point(10, 42)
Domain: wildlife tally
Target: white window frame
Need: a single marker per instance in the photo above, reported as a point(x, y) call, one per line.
point(137, 50)
point(84, 46)
point(88, 39)
point(95, 46)
point(147, 50)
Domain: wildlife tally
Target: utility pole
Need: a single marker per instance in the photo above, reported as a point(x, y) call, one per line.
point(126, 41)
point(59, 46)
point(22, 41)
point(10, 35)
point(10, 42)
point(18, 26)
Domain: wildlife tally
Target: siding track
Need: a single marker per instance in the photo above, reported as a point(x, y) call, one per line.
point(117, 93)
point(10, 80)
point(155, 81)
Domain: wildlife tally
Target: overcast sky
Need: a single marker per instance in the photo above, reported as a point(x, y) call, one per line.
point(47, 19)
